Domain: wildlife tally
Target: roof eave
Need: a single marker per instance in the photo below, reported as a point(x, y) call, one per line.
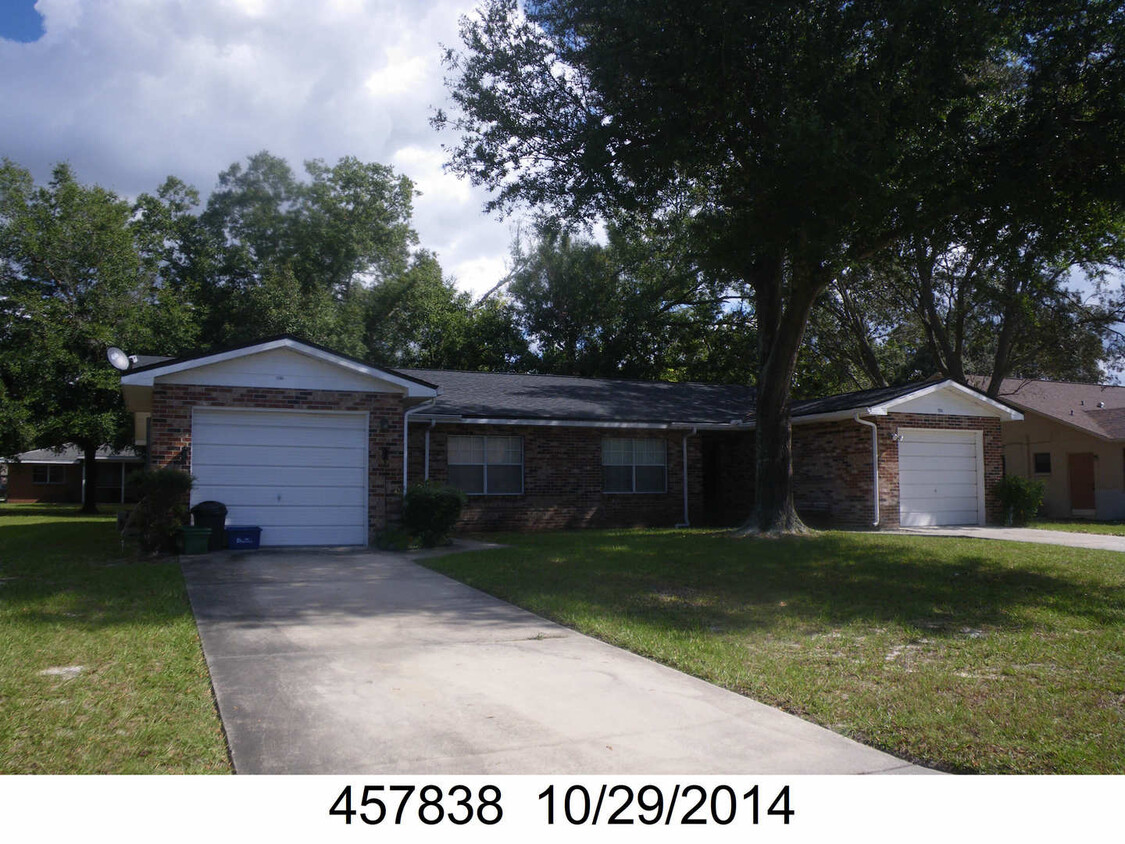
point(413, 387)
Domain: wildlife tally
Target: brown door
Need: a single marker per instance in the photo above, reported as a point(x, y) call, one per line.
point(1081, 481)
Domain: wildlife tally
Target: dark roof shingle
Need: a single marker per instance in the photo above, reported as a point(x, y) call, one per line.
point(514, 396)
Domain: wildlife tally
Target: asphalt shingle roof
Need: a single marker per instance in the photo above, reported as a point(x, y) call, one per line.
point(1072, 403)
point(514, 396)
point(852, 401)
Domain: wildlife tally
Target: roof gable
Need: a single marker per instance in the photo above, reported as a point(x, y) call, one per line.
point(282, 363)
point(944, 398)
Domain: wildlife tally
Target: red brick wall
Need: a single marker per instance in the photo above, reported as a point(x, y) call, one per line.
point(171, 430)
point(832, 466)
point(562, 480)
point(21, 489)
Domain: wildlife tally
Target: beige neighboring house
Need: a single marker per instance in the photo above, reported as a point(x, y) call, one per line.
point(1072, 438)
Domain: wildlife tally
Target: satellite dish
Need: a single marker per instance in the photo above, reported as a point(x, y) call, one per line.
point(118, 358)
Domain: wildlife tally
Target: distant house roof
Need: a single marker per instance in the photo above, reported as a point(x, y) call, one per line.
point(508, 395)
point(1098, 409)
point(72, 454)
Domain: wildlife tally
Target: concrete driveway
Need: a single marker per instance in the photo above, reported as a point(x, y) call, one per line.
point(1101, 541)
point(346, 661)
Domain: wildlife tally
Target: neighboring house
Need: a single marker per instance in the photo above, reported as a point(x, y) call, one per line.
point(1072, 438)
point(309, 445)
point(58, 476)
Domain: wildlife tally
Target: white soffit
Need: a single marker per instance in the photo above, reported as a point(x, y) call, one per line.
point(280, 364)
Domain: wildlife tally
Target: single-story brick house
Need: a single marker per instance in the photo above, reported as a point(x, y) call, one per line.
point(1072, 438)
point(58, 476)
point(310, 445)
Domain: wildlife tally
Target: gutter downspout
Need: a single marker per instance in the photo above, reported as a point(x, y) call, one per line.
point(426, 471)
point(683, 466)
point(874, 461)
point(406, 441)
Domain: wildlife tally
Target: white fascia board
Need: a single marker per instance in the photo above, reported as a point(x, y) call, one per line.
point(836, 415)
point(997, 408)
point(580, 423)
point(147, 377)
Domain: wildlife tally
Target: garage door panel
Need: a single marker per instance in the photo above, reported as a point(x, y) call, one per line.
point(247, 436)
point(283, 516)
point(920, 491)
point(276, 477)
point(939, 478)
point(292, 454)
point(950, 471)
point(936, 519)
point(938, 448)
point(292, 496)
point(314, 422)
point(301, 477)
point(302, 535)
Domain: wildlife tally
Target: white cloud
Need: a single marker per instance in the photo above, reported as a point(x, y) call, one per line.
point(130, 91)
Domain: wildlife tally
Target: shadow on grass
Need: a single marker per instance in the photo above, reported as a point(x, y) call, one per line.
point(712, 582)
point(73, 572)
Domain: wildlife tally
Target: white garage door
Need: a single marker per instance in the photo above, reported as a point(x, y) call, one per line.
point(940, 478)
point(301, 477)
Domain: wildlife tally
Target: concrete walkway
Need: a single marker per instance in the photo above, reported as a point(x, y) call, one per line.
point(347, 661)
point(1012, 534)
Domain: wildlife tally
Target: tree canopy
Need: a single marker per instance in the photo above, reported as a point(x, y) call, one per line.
point(72, 283)
point(808, 137)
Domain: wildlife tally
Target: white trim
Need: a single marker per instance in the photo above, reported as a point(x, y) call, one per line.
point(684, 472)
point(874, 463)
point(1002, 410)
point(978, 441)
point(406, 443)
point(146, 377)
point(366, 452)
point(835, 415)
point(586, 423)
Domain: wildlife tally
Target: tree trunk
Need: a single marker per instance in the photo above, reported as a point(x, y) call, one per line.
point(781, 329)
point(90, 476)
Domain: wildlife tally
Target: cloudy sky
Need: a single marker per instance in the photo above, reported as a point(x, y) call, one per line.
point(131, 91)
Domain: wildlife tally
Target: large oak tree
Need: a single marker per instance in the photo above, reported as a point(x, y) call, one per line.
point(812, 135)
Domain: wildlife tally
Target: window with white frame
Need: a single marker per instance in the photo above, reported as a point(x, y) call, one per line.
point(635, 465)
point(48, 474)
point(486, 465)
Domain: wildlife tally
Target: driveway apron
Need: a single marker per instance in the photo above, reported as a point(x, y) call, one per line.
point(348, 661)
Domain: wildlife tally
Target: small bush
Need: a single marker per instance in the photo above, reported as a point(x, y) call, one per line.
point(1021, 498)
point(430, 510)
point(162, 508)
point(392, 539)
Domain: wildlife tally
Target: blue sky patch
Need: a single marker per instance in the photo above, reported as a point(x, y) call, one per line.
point(19, 21)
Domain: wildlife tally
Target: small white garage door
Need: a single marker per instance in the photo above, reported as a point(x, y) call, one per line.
point(940, 477)
point(301, 477)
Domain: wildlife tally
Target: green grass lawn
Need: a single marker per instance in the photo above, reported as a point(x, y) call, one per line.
point(141, 701)
point(964, 655)
point(1082, 526)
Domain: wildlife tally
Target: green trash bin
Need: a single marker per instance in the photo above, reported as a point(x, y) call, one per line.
point(194, 540)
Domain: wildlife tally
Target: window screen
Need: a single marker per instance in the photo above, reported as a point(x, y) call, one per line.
point(1042, 463)
point(48, 474)
point(634, 465)
point(486, 465)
